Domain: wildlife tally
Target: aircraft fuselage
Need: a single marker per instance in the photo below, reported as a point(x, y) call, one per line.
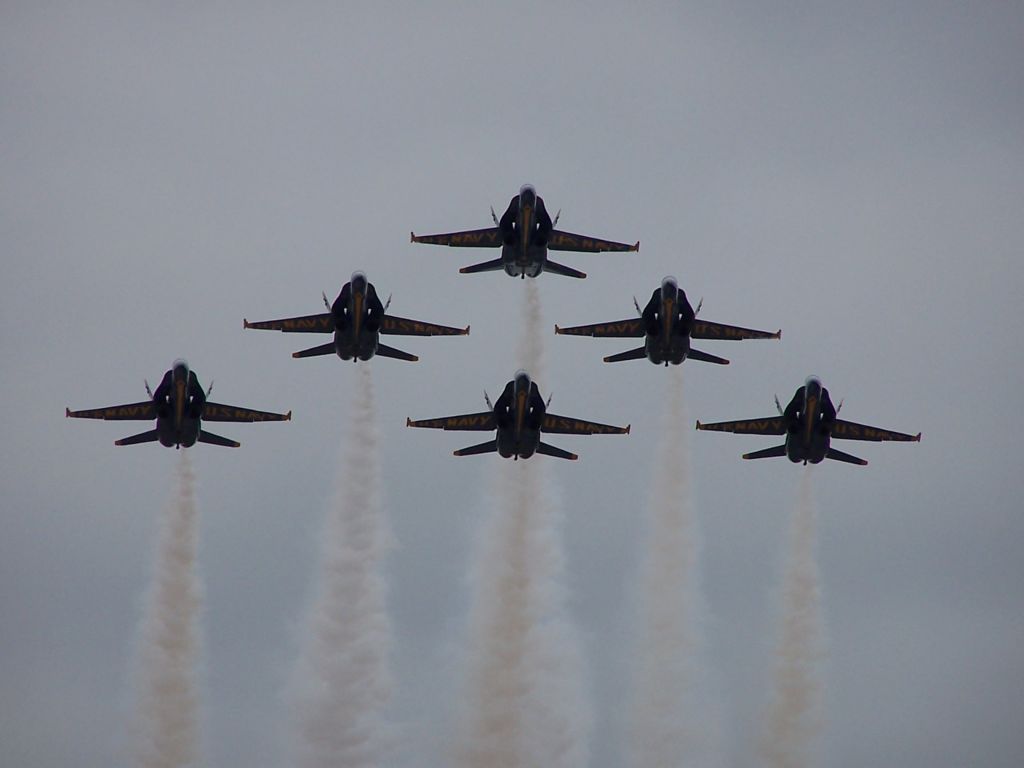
point(519, 414)
point(179, 401)
point(667, 320)
point(357, 317)
point(810, 417)
point(525, 227)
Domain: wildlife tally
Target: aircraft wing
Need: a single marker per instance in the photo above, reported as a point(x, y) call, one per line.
point(566, 426)
point(478, 422)
point(470, 238)
point(632, 328)
point(773, 425)
point(132, 412)
point(322, 323)
point(704, 329)
point(218, 412)
point(848, 430)
point(392, 325)
point(567, 241)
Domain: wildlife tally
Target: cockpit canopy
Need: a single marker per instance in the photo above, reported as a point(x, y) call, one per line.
point(358, 281)
point(180, 368)
point(522, 381)
point(527, 195)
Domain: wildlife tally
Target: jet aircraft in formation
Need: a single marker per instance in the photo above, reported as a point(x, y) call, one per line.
point(668, 322)
point(357, 318)
point(519, 416)
point(179, 406)
point(809, 423)
point(525, 233)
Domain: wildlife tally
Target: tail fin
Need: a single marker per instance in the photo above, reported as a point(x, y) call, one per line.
point(142, 437)
point(561, 269)
point(840, 456)
point(323, 349)
point(634, 354)
point(767, 453)
point(212, 439)
point(695, 354)
point(486, 266)
point(386, 351)
point(550, 450)
point(489, 447)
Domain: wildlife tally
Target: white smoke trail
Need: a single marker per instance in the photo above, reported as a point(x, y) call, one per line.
point(671, 720)
point(167, 655)
point(342, 681)
point(522, 703)
point(794, 716)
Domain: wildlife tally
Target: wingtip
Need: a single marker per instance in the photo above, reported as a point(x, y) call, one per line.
point(636, 246)
point(288, 416)
point(67, 414)
point(464, 271)
point(917, 438)
point(412, 236)
point(557, 329)
point(628, 427)
point(408, 421)
point(296, 355)
point(466, 332)
point(572, 457)
point(698, 424)
point(245, 323)
point(778, 334)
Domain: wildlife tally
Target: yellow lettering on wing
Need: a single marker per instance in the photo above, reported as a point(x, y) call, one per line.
point(304, 323)
point(125, 412)
point(469, 238)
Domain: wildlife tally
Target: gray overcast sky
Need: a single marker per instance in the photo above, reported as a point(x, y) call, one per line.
point(851, 173)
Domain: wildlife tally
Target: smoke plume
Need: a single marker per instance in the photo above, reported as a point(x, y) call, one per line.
point(343, 680)
point(794, 716)
point(168, 650)
point(670, 719)
point(522, 702)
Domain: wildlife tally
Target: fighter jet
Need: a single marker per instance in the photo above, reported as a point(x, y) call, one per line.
point(519, 415)
point(809, 423)
point(357, 318)
point(179, 405)
point(525, 233)
point(668, 322)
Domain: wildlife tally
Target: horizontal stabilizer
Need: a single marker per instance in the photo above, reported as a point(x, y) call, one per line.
point(550, 450)
point(561, 269)
point(323, 349)
point(142, 437)
point(696, 354)
point(840, 456)
point(489, 447)
point(634, 354)
point(767, 453)
point(385, 351)
point(212, 439)
point(487, 266)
